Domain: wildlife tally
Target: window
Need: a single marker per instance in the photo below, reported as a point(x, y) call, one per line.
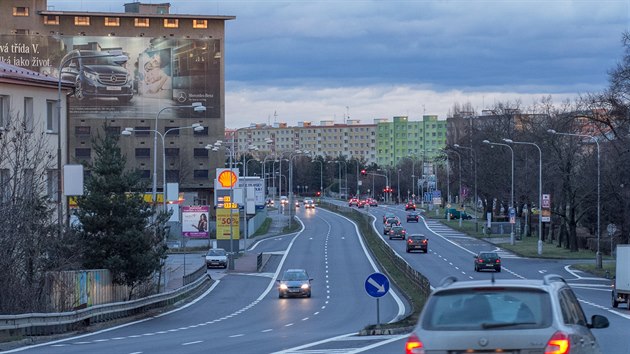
point(81, 130)
point(20, 11)
point(83, 152)
point(200, 23)
point(81, 21)
point(28, 114)
point(113, 130)
point(172, 175)
point(141, 22)
point(52, 122)
point(28, 181)
point(200, 152)
point(142, 131)
point(5, 186)
point(174, 132)
point(112, 21)
point(52, 184)
point(172, 152)
point(171, 23)
point(4, 110)
point(204, 132)
point(199, 174)
point(144, 174)
point(51, 20)
point(143, 152)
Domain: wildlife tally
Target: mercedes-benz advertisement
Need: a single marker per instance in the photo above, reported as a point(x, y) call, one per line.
point(125, 76)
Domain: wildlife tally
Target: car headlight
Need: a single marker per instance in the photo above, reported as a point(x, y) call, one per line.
point(283, 286)
point(91, 76)
point(305, 286)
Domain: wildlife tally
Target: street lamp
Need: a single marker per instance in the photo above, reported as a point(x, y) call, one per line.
point(346, 176)
point(598, 255)
point(510, 141)
point(197, 107)
point(459, 193)
point(398, 184)
point(119, 57)
point(512, 241)
point(474, 155)
point(127, 132)
point(321, 175)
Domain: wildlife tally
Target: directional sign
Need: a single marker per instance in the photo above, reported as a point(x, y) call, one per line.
point(377, 285)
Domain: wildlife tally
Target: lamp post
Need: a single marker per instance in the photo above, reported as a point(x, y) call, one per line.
point(459, 193)
point(127, 132)
point(291, 202)
point(380, 175)
point(510, 141)
point(112, 53)
point(474, 156)
point(598, 255)
point(398, 184)
point(346, 166)
point(512, 241)
point(197, 107)
point(321, 175)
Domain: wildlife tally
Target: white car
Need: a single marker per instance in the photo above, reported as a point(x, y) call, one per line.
point(216, 257)
point(284, 200)
point(309, 203)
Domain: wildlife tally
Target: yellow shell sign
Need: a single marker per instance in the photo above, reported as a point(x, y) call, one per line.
point(227, 179)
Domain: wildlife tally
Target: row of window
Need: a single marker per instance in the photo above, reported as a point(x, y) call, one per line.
point(137, 131)
point(52, 123)
point(141, 22)
point(86, 153)
point(52, 183)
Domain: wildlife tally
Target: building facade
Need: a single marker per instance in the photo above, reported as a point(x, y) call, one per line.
point(401, 138)
point(31, 134)
point(144, 69)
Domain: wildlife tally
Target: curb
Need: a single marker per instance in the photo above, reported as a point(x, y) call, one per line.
point(385, 331)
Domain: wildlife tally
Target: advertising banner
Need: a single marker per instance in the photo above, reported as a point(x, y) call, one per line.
point(195, 221)
point(125, 77)
point(223, 224)
point(546, 208)
point(258, 186)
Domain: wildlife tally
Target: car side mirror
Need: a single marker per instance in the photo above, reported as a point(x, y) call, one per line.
point(599, 321)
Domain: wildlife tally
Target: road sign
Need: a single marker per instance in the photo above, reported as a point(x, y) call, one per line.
point(512, 216)
point(376, 285)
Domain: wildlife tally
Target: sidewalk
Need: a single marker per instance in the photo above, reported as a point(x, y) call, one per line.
point(247, 262)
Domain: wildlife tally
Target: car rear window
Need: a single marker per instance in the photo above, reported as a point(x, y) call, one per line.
point(495, 308)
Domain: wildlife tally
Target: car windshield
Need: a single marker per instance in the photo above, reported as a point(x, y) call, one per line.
point(294, 275)
point(487, 308)
point(488, 255)
point(216, 252)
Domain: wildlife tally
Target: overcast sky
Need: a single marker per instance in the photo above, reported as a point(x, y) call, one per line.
point(293, 61)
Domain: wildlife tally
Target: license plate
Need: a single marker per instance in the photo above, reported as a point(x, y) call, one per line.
point(113, 88)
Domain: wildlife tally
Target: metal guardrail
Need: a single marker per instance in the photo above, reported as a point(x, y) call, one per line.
point(53, 323)
point(189, 278)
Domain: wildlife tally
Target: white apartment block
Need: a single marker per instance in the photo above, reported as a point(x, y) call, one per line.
point(352, 140)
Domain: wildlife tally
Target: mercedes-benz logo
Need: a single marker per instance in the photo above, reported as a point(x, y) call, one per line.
point(182, 97)
point(483, 341)
point(114, 79)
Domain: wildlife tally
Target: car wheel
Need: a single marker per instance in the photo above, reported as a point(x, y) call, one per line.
point(476, 269)
point(615, 303)
point(308, 295)
point(499, 270)
point(390, 237)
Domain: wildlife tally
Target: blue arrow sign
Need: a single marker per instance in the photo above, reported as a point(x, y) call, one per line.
point(377, 285)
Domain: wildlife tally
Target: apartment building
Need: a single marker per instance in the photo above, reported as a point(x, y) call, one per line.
point(31, 133)
point(158, 65)
point(402, 138)
point(352, 139)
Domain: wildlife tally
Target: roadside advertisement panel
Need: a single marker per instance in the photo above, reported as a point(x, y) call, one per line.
point(138, 77)
point(546, 208)
point(223, 224)
point(258, 186)
point(195, 221)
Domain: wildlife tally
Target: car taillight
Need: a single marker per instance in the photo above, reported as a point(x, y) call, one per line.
point(404, 232)
point(414, 345)
point(409, 241)
point(498, 261)
point(480, 260)
point(558, 344)
point(424, 241)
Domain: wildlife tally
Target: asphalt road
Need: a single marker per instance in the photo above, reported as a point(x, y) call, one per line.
point(242, 312)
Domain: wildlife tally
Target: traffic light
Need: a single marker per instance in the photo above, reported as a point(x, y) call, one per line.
point(363, 172)
point(318, 193)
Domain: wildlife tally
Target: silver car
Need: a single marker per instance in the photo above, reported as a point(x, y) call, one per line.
point(504, 316)
point(216, 257)
point(294, 282)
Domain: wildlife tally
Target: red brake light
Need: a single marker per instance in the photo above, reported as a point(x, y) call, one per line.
point(558, 344)
point(409, 240)
point(404, 232)
point(424, 241)
point(498, 261)
point(413, 345)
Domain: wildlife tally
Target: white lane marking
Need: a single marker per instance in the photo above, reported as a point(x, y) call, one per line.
point(288, 325)
point(195, 342)
point(236, 335)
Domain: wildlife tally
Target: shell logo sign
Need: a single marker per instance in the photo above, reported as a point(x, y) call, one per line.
point(227, 179)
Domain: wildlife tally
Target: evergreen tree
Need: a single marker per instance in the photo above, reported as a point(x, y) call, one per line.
point(117, 228)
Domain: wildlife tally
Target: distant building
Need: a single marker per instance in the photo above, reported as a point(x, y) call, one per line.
point(171, 61)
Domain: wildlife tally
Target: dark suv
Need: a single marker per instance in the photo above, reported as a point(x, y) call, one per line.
point(97, 76)
point(504, 315)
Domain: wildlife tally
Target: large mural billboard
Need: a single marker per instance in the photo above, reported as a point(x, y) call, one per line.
point(125, 77)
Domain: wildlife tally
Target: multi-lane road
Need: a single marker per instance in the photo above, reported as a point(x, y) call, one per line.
point(241, 313)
